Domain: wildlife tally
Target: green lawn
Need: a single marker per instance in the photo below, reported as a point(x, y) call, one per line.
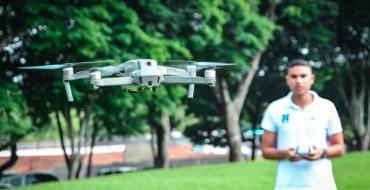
point(351, 172)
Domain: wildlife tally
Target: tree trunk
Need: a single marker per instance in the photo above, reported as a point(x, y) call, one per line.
point(233, 134)
point(93, 137)
point(232, 108)
point(153, 146)
point(12, 160)
point(86, 121)
point(254, 147)
point(62, 142)
point(255, 114)
point(70, 136)
point(357, 102)
point(79, 155)
point(75, 159)
point(366, 136)
point(163, 141)
point(357, 117)
point(366, 141)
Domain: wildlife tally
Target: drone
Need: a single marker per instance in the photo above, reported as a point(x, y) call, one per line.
point(142, 72)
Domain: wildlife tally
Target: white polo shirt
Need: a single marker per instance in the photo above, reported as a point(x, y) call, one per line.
point(295, 127)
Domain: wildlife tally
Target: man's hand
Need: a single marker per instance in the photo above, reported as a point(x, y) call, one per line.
point(292, 156)
point(317, 154)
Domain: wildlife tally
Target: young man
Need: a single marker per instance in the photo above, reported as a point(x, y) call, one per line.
point(302, 131)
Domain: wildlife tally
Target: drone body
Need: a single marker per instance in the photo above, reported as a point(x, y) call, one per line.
point(143, 72)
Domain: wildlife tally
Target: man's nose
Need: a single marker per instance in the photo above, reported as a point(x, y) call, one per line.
point(299, 79)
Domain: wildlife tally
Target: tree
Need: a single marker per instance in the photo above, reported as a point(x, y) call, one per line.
point(14, 122)
point(352, 66)
point(160, 21)
point(240, 34)
point(214, 30)
point(80, 31)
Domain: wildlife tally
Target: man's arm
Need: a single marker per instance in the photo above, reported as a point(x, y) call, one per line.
point(336, 146)
point(269, 150)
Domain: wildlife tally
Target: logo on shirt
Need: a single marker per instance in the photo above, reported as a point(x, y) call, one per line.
point(285, 118)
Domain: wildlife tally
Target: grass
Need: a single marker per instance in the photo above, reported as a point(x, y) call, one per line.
point(350, 171)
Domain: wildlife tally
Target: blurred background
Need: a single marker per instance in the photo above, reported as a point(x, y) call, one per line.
point(110, 130)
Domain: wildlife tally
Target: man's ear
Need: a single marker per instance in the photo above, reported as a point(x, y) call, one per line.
point(313, 77)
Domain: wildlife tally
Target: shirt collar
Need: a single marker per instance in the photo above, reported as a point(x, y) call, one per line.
point(292, 105)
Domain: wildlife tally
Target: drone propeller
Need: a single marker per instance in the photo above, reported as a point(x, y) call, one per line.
point(214, 65)
point(64, 65)
point(68, 71)
point(200, 65)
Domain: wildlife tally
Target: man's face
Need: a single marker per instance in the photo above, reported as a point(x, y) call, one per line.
point(299, 79)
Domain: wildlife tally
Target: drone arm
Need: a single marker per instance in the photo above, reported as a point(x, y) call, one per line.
point(187, 80)
point(78, 75)
point(208, 79)
point(172, 71)
point(119, 81)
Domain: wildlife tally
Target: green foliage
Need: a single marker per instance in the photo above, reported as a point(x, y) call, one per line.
point(96, 30)
point(304, 32)
point(228, 31)
point(212, 30)
point(252, 175)
point(237, 32)
point(306, 26)
point(183, 120)
point(14, 122)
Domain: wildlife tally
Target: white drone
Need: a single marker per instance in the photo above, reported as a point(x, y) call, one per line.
point(143, 72)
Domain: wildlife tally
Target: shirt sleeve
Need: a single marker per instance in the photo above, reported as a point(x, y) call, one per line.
point(268, 122)
point(334, 124)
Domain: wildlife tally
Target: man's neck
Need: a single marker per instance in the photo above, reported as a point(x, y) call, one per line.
point(302, 100)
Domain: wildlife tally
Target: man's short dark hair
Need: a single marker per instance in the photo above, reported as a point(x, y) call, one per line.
point(299, 62)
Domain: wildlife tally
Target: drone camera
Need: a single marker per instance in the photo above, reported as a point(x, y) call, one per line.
point(149, 74)
point(149, 81)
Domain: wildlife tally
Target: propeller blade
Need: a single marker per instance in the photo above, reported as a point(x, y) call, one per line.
point(88, 62)
point(199, 64)
point(64, 65)
point(178, 62)
point(44, 67)
point(214, 65)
